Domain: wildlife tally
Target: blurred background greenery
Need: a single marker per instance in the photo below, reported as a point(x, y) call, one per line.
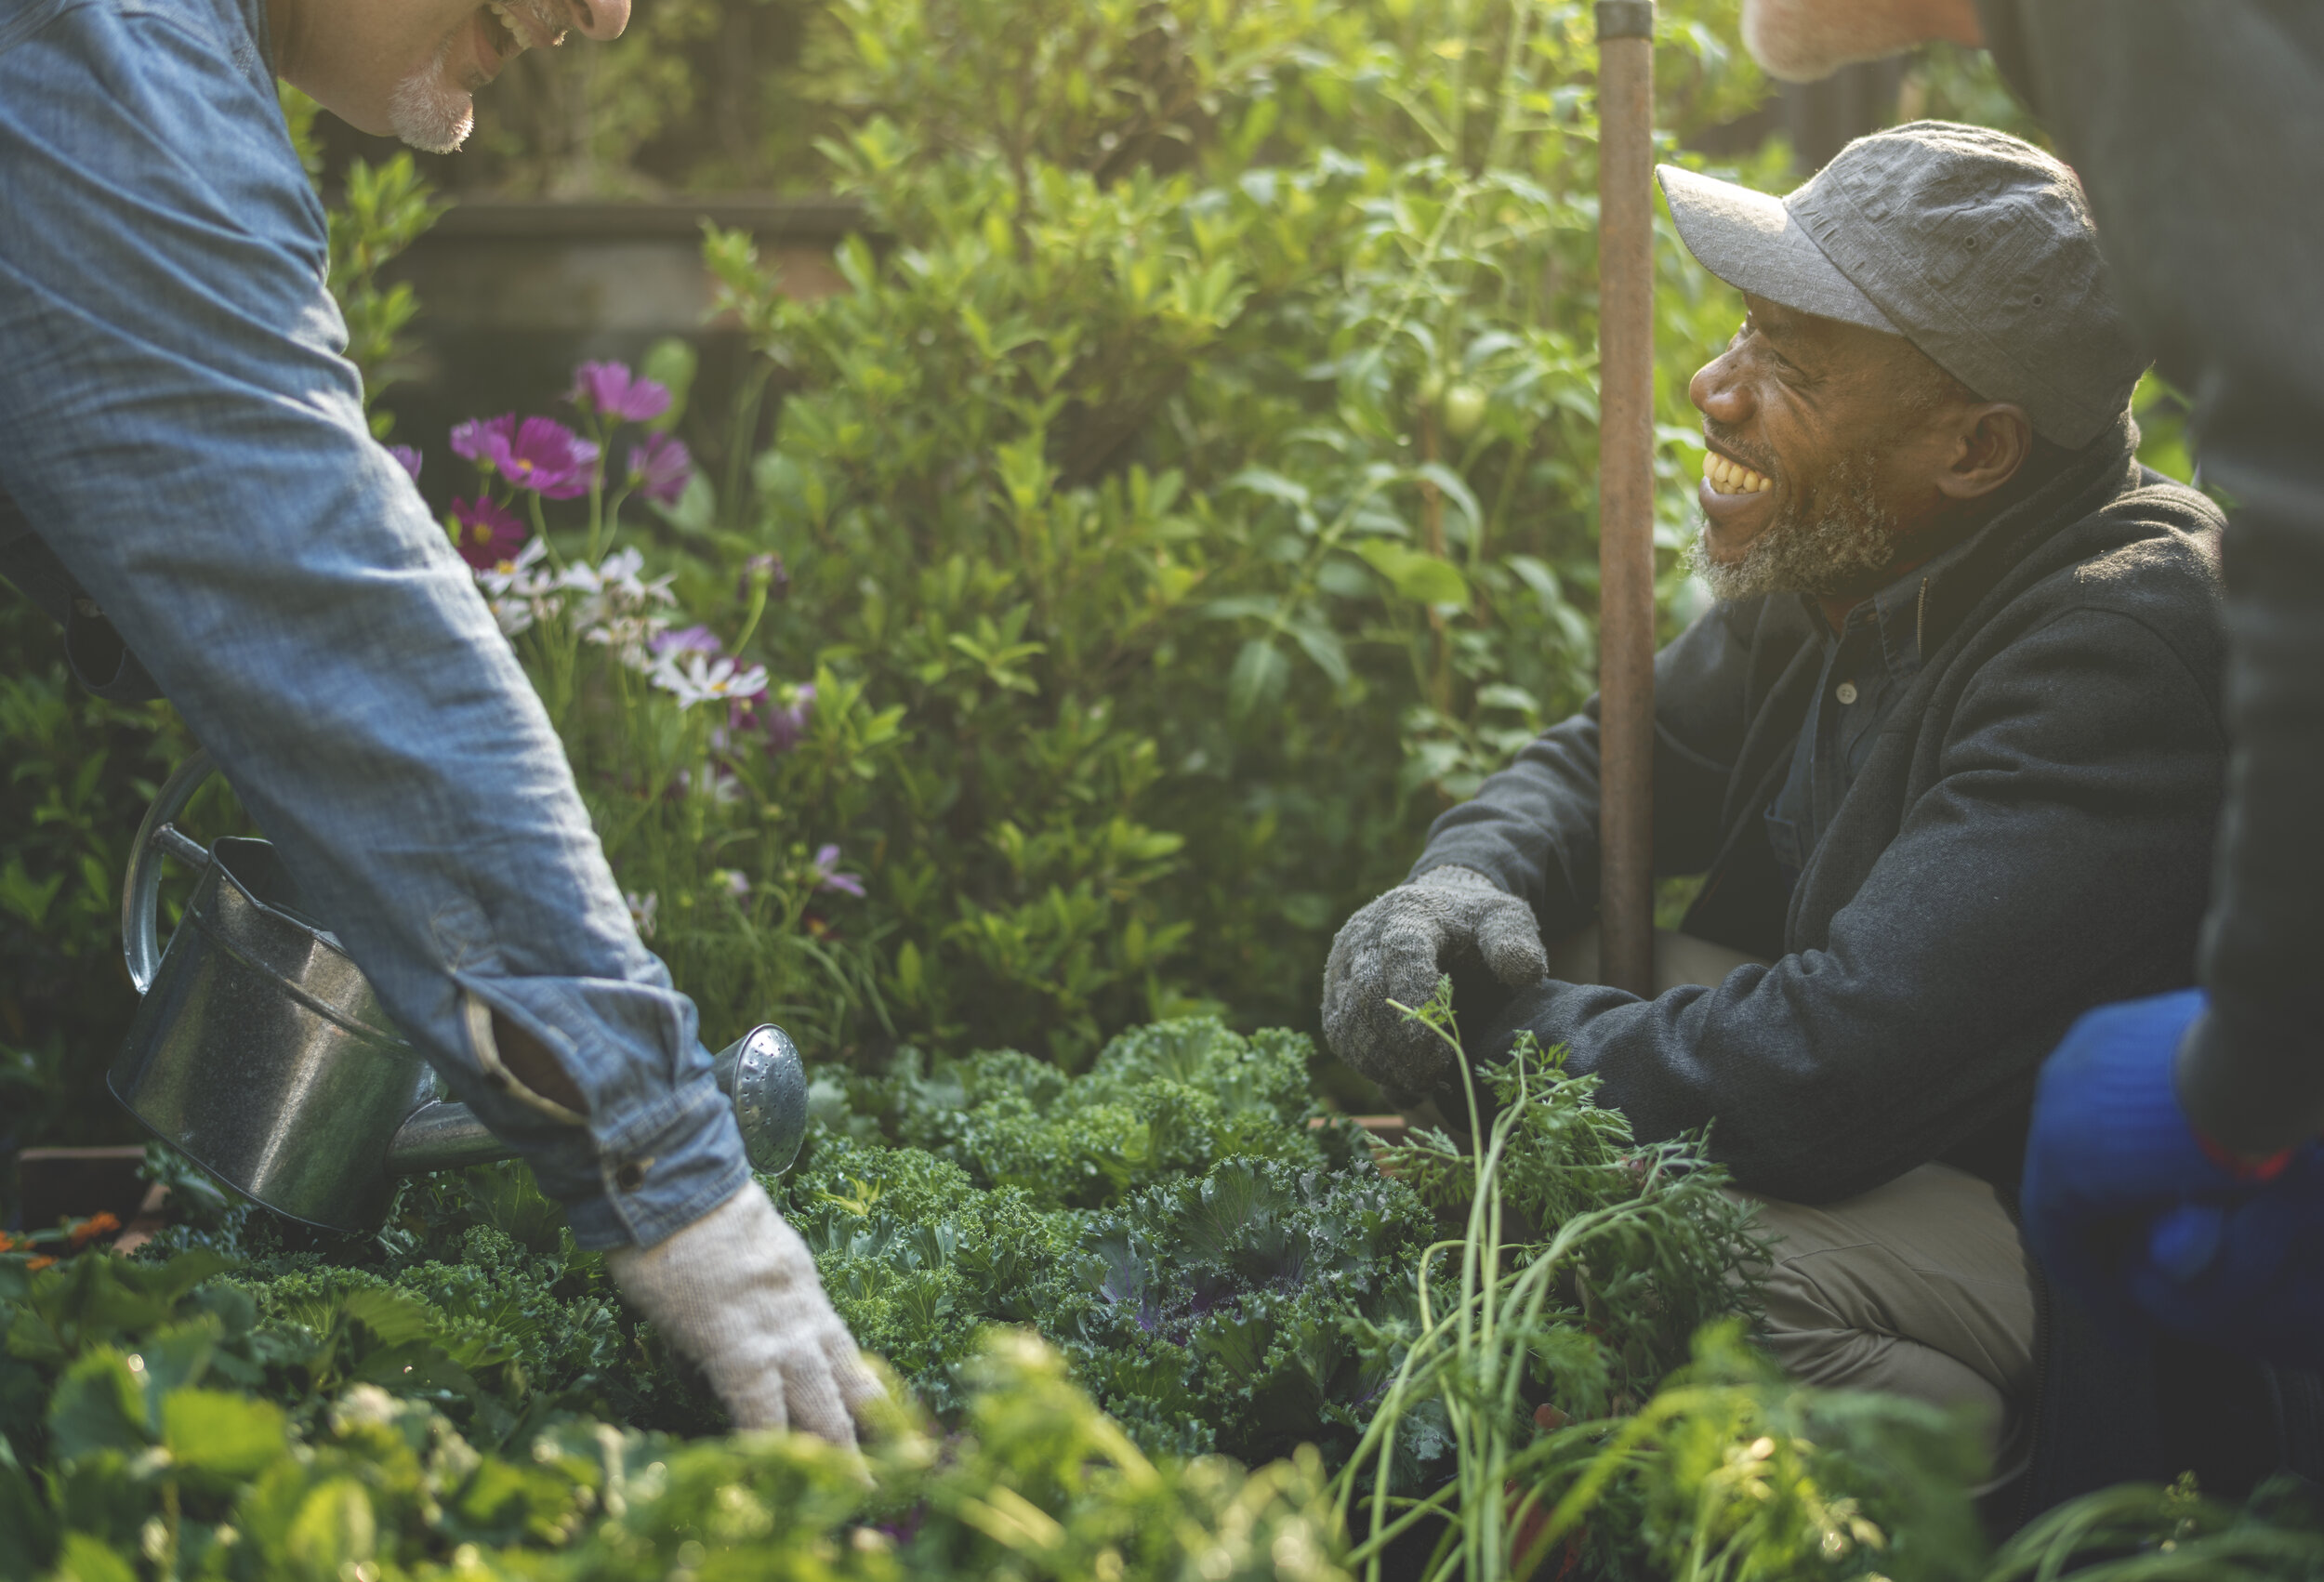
point(1179, 439)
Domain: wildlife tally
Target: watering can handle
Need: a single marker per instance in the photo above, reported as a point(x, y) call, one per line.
point(141, 895)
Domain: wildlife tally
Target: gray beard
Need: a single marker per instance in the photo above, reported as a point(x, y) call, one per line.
point(1837, 540)
point(426, 114)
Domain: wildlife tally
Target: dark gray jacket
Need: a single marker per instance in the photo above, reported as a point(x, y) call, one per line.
point(2030, 836)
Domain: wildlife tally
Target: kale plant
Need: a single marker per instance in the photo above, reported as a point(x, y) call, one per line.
point(1162, 1102)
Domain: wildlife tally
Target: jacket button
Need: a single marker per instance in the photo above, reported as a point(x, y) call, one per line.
point(630, 1177)
point(1845, 692)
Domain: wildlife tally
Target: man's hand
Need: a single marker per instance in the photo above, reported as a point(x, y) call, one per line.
point(737, 1291)
point(1398, 946)
point(2131, 1210)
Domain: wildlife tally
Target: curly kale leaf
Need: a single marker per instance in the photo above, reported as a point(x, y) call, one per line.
point(1161, 1102)
point(916, 1256)
point(1244, 1283)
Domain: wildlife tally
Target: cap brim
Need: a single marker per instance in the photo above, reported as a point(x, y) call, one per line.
point(1750, 240)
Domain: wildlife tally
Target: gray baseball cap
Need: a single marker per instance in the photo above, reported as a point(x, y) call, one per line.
point(1975, 246)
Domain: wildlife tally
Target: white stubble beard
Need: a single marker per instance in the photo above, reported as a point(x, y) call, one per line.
point(426, 111)
point(1839, 540)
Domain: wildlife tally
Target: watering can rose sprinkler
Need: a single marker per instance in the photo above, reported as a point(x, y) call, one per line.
point(260, 1051)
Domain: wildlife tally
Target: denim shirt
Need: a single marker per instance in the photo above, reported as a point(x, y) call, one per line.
point(181, 430)
point(1867, 667)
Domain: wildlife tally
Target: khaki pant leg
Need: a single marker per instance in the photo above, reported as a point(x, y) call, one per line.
point(1919, 1287)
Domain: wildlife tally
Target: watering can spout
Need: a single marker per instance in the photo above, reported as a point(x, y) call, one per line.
point(760, 1072)
point(260, 1051)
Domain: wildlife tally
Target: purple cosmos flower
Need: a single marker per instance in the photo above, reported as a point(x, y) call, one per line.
point(545, 456)
point(661, 469)
point(407, 458)
point(828, 874)
point(783, 724)
point(697, 639)
point(610, 390)
point(479, 437)
point(487, 535)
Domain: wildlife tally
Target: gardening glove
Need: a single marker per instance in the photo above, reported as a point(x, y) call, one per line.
point(2248, 1278)
point(1396, 949)
point(2111, 1156)
point(737, 1292)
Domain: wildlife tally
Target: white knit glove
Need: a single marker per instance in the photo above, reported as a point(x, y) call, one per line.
point(737, 1291)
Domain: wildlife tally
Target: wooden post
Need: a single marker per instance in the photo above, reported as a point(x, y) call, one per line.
point(1626, 555)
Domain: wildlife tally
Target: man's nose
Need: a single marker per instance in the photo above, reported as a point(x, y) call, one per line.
point(1718, 395)
point(599, 20)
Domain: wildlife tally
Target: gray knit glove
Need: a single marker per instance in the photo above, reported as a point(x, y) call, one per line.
point(1398, 946)
point(737, 1292)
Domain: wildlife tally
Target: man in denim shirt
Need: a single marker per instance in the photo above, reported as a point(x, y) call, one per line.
point(1946, 750)
point(184, 463)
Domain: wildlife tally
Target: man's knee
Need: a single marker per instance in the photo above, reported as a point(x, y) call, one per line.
point(1919, 1287)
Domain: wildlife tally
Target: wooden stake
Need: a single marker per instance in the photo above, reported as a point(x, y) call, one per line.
point(1625, 564)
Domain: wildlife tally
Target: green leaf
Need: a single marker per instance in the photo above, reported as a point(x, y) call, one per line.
point(1257, 680)
point(335, 1528)
point(1416, 574)
point(672, 361)
point(85, 1559)
point(231, 1436)
point(1322, 645)
point(28, 1534)
point(98, 1406)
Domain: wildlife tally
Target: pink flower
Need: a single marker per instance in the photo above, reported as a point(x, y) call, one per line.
point(661, 469)
point(697, 639)
point(783, 724)
point(545, 456)
point(479, 438)
point(407, 458)
point(828, 874)
point(609, 389)
point(486, 534)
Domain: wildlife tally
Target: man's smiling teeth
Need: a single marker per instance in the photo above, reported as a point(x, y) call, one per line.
point(1732, 477)
point(521, 37)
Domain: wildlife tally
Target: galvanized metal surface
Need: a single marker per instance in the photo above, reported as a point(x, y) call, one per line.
point(261, 1052)
point(763, 1073)
point(760, 1072)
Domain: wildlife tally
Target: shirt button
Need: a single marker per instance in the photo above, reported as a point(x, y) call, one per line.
point(1845, 692)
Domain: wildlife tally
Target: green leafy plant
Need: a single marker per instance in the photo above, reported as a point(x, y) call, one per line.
point(1580, 1259)
point(152, 1430)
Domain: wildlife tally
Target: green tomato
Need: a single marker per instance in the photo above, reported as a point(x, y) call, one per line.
point(1464, 410)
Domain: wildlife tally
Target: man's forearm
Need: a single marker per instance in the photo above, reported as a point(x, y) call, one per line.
point(1533, 828)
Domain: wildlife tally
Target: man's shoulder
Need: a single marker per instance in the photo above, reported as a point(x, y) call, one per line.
point(2152, 551)
point(2143, 568)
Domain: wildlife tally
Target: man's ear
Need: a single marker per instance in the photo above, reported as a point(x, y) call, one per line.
point(1995, 437)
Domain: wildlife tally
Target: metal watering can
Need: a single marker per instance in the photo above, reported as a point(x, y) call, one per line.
point(261, 1052)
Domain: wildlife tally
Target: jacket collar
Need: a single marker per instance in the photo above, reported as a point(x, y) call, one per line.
point(1957, 580)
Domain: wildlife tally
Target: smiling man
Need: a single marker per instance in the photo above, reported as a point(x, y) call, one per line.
point(187, 484)
point(1946, 749)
